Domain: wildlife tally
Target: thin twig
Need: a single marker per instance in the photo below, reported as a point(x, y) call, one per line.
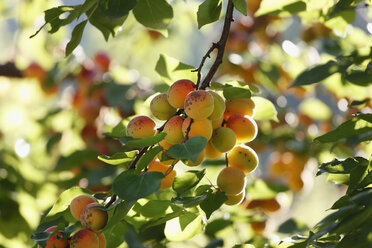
point(207, 55)
point(112, 200)
point(138, 156)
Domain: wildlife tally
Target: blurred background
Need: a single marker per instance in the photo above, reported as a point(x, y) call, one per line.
point(54, 110)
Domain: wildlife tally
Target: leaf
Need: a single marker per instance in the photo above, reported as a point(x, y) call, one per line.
point(316, 74)
point(171, 70)
point(154, 14)
point(164, 219)
point(132, 143)
point(217, 225)
point(188, 202)
point(241, 6)
point(307, 107)
point(130, 187)
point(209, 11)
point(213, 202)
point(118, 158)
point(265, 110)
point(115, 234)
point(261, 190)
point(147, 158)
point(190, 150)
point(184, 227)
point(77, 157)
point(232, 93)
point(155, 208)
point(76, 36)
point(187, 180)
point(119, 131)
point(52, 142)
point(361, 78)
point(341, 166)
point(273, 7)
point(292, 226)
point(116, 8)
point(132, 239)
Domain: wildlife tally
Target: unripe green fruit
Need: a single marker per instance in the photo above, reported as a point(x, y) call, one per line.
point(141, 127)
point(231, 180)
point(199, 104)
point(94, 219)
point(161, 108)
point(173, 128)
point(223, 139)
point(219, 106)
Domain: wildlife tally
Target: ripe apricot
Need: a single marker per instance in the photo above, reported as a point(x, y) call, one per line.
point(244, 127)
point(178, 91)
point(198, 128)
point(78, 203)
point(102, 61)
point(219, 106)
point(258, 226)
point(167, 181)
point(94, 219)
point(161, 108)
point(235, 199)
point(55, 241)
point(217, 123)
point(231, 180)
point(295, 183)
point(199, 104)
point(34, 70)
point(173, 128)
point(165, 144)
point(211, 152)
point(199, 160)
point(102, 240)
point(243, 157)
point(84, 238)
point(223, 139)
point(243, 106)
point(141, 127)
point(270, 205)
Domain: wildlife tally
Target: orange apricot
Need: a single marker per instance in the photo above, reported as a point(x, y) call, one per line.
point(141, 127)
point(161, 108)
point(243, 157)
point(178, 91)
point(199, 104)
point(258, 226)
point(102, 240)
point(223, 139)
point(231, 180)
point(244, 127)
point(165, 144)
point(219, 106)
point(34, 70)
point(211, 152)
point(243, 106)
point(94, 219)
point(173, 128)
point(235, 199)
point(102, 61)
point(84, 238)
point(167, 181)
point(295, 183)
point(198, 128)
point(78, 203)
point(56, 240)
point(270, 205)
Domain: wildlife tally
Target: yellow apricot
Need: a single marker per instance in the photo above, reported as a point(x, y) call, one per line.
point(217, 123)
point(84, 238)
point(199, 160)
point(244, 127)
point(55, 241)
point(219, 106)
point(211, 152)
point(141, 127)
point(235, 199)
point(167, 181)
point(178, 92)
point(102, 240)
point(223, 139)
point(78, 203)
point(161, 108)
point(243, 157)
point(231, 180)
point(94, 219)
point(165, 144)
point(198, 128)
point(199, 104)
point(243, 106)
point(173, 128)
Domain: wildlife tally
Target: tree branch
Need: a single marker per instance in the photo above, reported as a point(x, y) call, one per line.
point(10, 70)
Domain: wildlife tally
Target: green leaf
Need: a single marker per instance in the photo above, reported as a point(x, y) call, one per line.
point(116, 8)
point(52, 142)
point(316, 74)
point(130, 186)
point(155, 208)
point(232, 93)
point(190, 150)
point(341, 166)
point(190, 201)
point(352, 132)
point(115, 234)
point(292, 226)
point(213, 202)
point(177, 212)
point(187, 180)
point(209, 11)
point(132, 143)
point(77, 157)
point(118, 158)
point(273, 7)
point(154, 14)
point(147, 158)
point(241, 6)
point(361, 78)
point(261, 190)
point(132, 239)
point(119, 131)
point(76, 36)
point(323, 112)
point(184, 227)
point(217, 225)
point(265, 110)
point(171, 70)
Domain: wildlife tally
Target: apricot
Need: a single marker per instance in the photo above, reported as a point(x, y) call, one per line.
point(178, 91)
point(243, 106)
point(223, 139)
point(258, 226)
point(295, 183)
point(211, 152)
point(270, 205)
point(84, 238)
point(244, 127)
point(141, 127)
point(102, 240)
point(231, 180)
point(161, 108)
point(173, 128)
point(94, 219)
point(199, 160)
point(198, 128)
point(235, 199)
point(167, 181)
point(219, 106)
point(217, 123)
point(102, 61)
point(243, 157)
point(78, 203)
point(199, 104)
point(34, 70)
point(165, 144)
point(56, 240)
